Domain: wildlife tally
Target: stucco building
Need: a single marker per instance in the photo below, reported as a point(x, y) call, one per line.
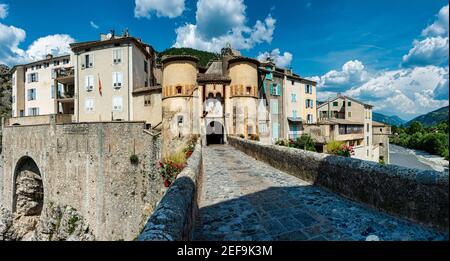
point(39, 88)
point(347, 120)
point(287, 101)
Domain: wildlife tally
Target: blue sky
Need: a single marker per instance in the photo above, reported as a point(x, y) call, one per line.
point(349, 46)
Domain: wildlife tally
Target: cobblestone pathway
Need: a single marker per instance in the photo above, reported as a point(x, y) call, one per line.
point(244, 199)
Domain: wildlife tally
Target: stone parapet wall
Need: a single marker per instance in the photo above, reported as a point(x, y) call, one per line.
point(87, 166)
point(173, 219)
point(414, 194)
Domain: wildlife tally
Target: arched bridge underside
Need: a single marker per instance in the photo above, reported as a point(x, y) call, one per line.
point(245, 199)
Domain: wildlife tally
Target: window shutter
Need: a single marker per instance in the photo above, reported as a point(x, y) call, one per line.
point(120, 79)
point(91, 60)
point(37, 77)
point(28, 78)
point(278, 89)
point(53, 91)
point(86, 79)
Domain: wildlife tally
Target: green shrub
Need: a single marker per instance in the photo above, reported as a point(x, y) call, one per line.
point(134, 159)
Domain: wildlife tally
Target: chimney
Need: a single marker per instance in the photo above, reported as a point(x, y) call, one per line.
point(49, 56)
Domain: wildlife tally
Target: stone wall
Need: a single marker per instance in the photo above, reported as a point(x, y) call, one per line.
point(87, 166)
point(414, 194)
point(173, 219)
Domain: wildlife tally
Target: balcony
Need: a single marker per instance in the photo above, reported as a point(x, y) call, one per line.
point(64, 75)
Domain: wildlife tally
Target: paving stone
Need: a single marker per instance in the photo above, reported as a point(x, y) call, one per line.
point(244, 199)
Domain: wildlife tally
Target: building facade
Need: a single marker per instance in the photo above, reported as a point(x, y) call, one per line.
point(381, 133)
point(36, 89)
point(349, 121)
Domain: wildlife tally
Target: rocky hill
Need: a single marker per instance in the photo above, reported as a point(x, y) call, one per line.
point(5, 91)
point(5, 95)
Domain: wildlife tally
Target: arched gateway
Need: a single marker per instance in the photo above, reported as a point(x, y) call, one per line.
point(28, 191)
point(214, 133)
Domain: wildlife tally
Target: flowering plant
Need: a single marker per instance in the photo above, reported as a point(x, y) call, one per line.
point(170, 170)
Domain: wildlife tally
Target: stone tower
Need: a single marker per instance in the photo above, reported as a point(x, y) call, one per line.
point(244, 95)
point(178, 86)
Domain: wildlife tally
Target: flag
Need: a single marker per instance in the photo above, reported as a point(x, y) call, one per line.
point(99, 85)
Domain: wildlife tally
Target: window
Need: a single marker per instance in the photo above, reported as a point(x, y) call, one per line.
point(22, 113)
point(33, 111)
point(335, 104)
point(180, 120)
point(269, 74)
point(117, 80)
point(88, 61)
point(367, 138)
point(52, 92)
point(66, 61)
point(293, 82)
point(367, 153)
point(294, 97)
point(275, 89)
point(89, 83)
point(117, 103)
point(55, 63)
point(89, 105)
point(249, 91)
point(46, 65)
point(349, 114)
point(310, 89)
point(349, 104)
point(381, 130)
point(39, 66)
point(294, 114)
point(179, 89)
point(368, 127)
point(310, 119)
point(117, 56)
point(263, 127)
point(31, 94)
point(147, 100)
point(146, 66)
point(309, 103)
point(33, 77)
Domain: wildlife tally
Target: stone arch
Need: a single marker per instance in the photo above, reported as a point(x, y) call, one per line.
point(28, 188)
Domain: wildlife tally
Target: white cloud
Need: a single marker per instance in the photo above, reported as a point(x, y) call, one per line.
point(3, 11)
point(220, 22)
point(10, 38)
point(440, 26)
point(11, 54)
point(352, 73)
point(163, 8)
point(433, 50)
point(57, 44)
point(94, 25)
point(405, 92)
point(275, 55)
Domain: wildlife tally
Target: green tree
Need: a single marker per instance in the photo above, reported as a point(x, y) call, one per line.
point(415, 127)
point(435, 143)
point(306, 142)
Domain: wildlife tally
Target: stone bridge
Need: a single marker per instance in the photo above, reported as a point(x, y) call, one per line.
point(229, 195)
point(85, 166)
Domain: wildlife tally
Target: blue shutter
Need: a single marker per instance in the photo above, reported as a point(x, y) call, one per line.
point(278, 89)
